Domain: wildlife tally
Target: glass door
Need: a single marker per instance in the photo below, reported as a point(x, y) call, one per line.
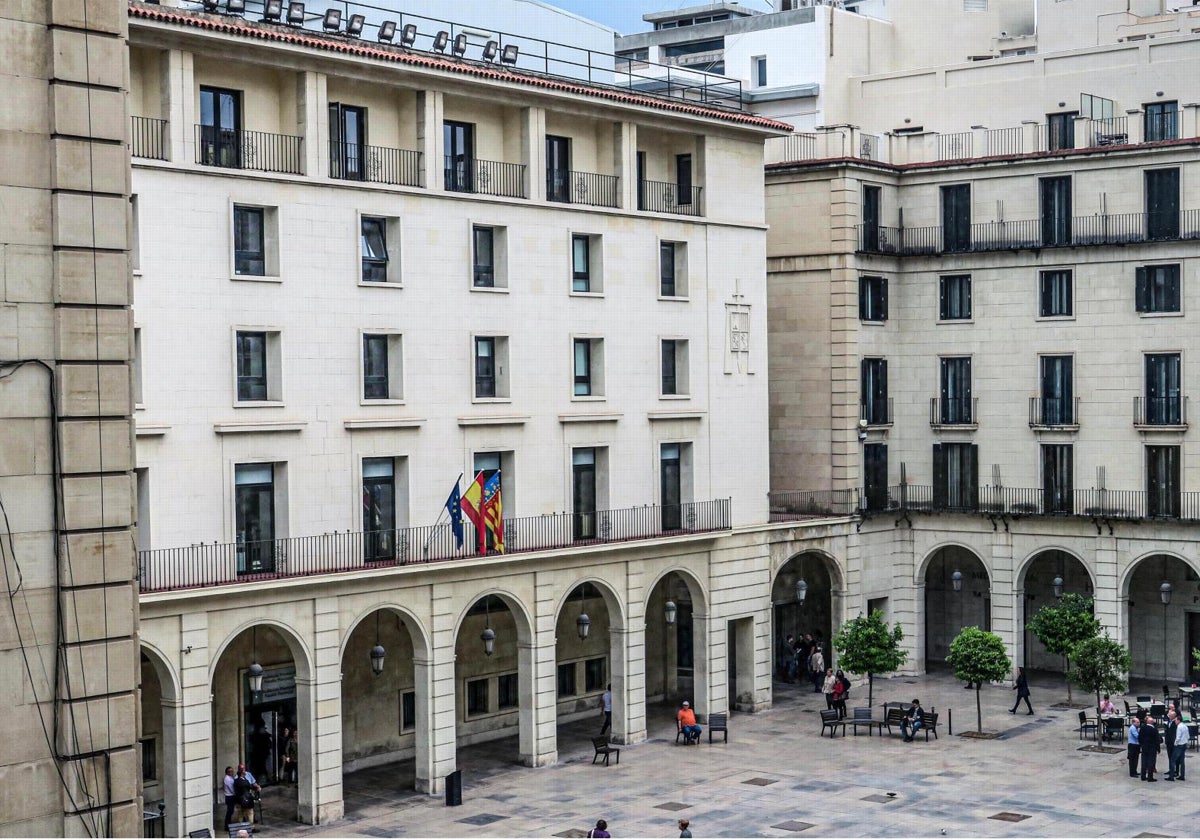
point(254, 513)
point(558, 168)
point(220, 127)
point(459, 140)
point(583, 493)
point(348, 140)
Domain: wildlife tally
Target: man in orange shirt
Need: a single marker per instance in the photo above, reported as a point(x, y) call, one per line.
point(687, 722)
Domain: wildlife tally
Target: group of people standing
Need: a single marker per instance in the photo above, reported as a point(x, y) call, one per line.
point(1145, 742)
point(804, 656)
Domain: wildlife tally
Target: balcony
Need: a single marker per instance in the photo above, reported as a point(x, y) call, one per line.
point(1032, 234)
point(148, 138)
point(224, 564)
point(1164, 414)
point(956, 412)
point(1054, 413)
point(665, 197)
point(589, 188)
point(485, 177)
point(256, 150)
point(808, 504)
point(377, 164)
point(876, 412)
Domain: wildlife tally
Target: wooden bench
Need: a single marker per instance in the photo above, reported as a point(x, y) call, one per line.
point(861, 716)
point(601, 746)
point(930, 725)
point(235, 827)
point(830, 721)
point(894, 717)
point(718, 723)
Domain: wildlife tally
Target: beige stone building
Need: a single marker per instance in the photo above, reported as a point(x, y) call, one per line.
point(68, 632)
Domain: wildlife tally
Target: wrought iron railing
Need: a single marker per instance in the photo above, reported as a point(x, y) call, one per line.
point(1160, 411)
point(221, 564)
point(581, 187)
point(1053, 412)
point(485, 177)
point(258, 150)
point(148, 138)
point(876, 411)
point(800, 504)
point(665, 197)
point(377, 164)
point(953, 411)
point(1111, 131)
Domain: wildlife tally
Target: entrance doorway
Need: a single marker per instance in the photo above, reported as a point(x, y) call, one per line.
point(1193, 642)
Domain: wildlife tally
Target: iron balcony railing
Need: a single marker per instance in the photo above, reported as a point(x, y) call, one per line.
point(1111, 131)
point(665, 197)
point(876, 411)
point(1160, 411)
point(485, 177)
point(148, 138)
point(1033, 234)
point(955, 411)
point(957, 146)
point(1053, 412)
point(377, 164)
point(222, 564)
point(257, 150)
point(802, 504)
point(590, 188)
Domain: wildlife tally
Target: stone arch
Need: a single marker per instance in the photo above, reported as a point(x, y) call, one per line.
point(1127, 573)
point(612, 601)
point(1034, 589)
point(946, 611)
point(923, 567)
point(417, 629)
point(838, 577)
point(606, 641)
point(1160, 636)
point(668, 647)
point(695, 587)
point(822, 611)
point(161, 723)
point(1024, 565)
point(164, 670)
point(301, 654)
point(521, 614)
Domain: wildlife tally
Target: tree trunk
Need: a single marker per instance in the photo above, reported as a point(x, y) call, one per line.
point(870, 690)
point(1066, 668)
point(978, 712)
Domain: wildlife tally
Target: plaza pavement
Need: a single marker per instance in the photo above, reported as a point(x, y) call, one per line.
point(778, 778)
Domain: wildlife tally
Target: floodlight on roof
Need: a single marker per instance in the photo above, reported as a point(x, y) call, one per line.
point(408, 35)
point(235, 7)
point(333, 20)
point(210, 5)
point(440, 41)
point(489, 51)
point(295, 13)
point(272, 11)
point(509, 56)
point(387, 31)
point(354, 26)
point(460, 45)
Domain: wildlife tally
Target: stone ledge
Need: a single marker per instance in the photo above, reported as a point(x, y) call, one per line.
point(493, 420)
point(591, 417)
point(243, 427)
point(384, 423)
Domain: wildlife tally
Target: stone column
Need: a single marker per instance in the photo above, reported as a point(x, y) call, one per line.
point(1110, 602)
point(440, 690)
point(625, 164)
point(1005, 608)
point(172, 787)
point(702, 655)
point(533, 152)
point(306, 776)
point(312, 122)
point(712, 690)
point(179, 105)
point(430, 142)
point(196, 716)
point(621, 657)
point(539, 718)
point(424, 758)
point(629, 687)
point(326, 758)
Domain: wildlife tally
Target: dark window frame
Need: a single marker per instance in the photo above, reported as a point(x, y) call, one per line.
point(1057, 387)
point(1158, 288)
point(1163, 389)
point(408, 711)
point(1161, 120)
point(581, 255)
point(872, 299)
point(873, 391)
point(376, 384)
point(956, 390)
point(581, 365)
point(956, 217)
point(667, 273)
point(595, 674)
point(253, 355)
point(955, 297)
point(478, 699)
point(486, 378)
point(375, 258)
point(483, 254)
point(1163, 484)
point(1058, 477)
point(508, 691)
point(669, 368)
point(566, 680)
point(1056, 293)
point(249, 257)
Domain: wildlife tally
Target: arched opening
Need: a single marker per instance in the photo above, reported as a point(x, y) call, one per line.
point(588, 660)
point(160, 742)
point(806, 575)
point(1041, 588)
point(1163, 600)
point(676, 664)
point(950, 607)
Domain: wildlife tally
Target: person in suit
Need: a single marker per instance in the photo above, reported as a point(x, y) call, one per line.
point(1169, 741)
point(1022, 689)
point(1135, 747)
point(1150, 740)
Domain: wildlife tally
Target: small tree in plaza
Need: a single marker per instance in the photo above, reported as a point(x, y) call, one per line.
point(865, 645)
point(979, 656)
point(1101, 665)
point(1062, 626)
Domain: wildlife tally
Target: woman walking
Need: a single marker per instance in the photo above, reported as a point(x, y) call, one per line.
point(830, 686)
point(1022, 689)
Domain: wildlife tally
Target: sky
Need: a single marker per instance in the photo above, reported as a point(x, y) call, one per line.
point(625, 16)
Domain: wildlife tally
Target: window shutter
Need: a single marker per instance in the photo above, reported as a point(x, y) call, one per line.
point(1142, 290)
point(864, 393)
point(939, 475)
point(971, 475)
point(864, 289)
point(1172, 291)
point(1046, 281)
point(966, 383)
point(966, 311)
point(881, 385)
point(883, 299)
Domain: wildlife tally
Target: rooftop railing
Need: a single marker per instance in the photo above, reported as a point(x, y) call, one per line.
point(223, 564)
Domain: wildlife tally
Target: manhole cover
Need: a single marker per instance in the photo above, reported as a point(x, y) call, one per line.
point(672, 806)
point(1008, 816)
point(761, 782)
point(793, 825)
point(572, 832)
point(879, 797)
point(482, 819)
point(1106, 750)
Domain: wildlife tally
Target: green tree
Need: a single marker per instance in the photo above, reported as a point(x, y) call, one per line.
point(1196, 658)
point(1100, 665)
point(1062, 626)
point(978, 656)
point(865, 645)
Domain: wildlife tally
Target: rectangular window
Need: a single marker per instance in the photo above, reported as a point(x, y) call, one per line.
point(875, 475)
point(583, 492)
point(670, 481)
point(566, 679)
point(1058, 390)
point(374, 250)
point(251, 366)
point(507, 696)
point(558, 168)
point(871, 199)
point(1161, 121)
point(220, 127)
point(872, 299)
point(583, 367)
point(954, 299)
point(581, 263)
point(956, 217)
point(485, 256)
point(1157, 288)
point(683, 178)
point(149, 759)
point(674, 381)
point(375, 367)
point(1055, 194)
point(1162, 481)
point(254, 517)
point(347, 141)
point(137, 366)
point(485, 367)
point(666, 269)
point(1162, 204)
point(594, 674)
point(760, 71)
point(1055, 294)
point(955, 475)
point(408, 711)
point(1058, 488)
point(873, 394)
point(957, 407)
point(477, 697)
point(1164, 395)
point(379, 509)
point(249, 241)
point(1060, 131)
point(458, 139)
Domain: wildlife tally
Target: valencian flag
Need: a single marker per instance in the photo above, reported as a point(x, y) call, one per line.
point(472, 508)
point(493, 511)
point(454, 508)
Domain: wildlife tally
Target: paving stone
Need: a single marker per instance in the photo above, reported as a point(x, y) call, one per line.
point(793, 825)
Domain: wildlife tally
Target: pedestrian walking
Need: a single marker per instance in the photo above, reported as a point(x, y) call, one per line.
point(1022, 688)
point(684, 831)
point(606, 709)
point(291, 755)
point(601, 830)
point(816, 669)
point(829, 686)
point(1134, 747)
point(786, 657)
point(1150, 740)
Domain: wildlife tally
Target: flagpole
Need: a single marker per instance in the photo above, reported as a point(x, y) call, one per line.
point(433, 528)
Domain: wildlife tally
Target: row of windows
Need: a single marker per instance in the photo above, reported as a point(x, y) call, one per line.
point(1163, 403)
point(479, 692)
point(1157, 289)
point(256, 236)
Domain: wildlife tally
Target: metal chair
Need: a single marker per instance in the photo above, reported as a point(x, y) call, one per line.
point(1086, 723)
point(1114, 728)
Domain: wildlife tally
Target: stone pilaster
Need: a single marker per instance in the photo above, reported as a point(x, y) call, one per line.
point(430, 141)
point(326, 759)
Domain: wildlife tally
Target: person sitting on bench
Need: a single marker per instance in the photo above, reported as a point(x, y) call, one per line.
point(914, 719)
point(687, 722)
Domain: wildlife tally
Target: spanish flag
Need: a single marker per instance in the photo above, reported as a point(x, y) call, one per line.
point(493, 511)
point(473, 509)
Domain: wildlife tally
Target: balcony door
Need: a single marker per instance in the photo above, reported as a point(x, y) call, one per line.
point(875, 475)
point(583, 493)
point(956, 390)
point(1163, 390)
point(1162, 204)
point(558, 168)
point(254, 517)
point(459, 147)
point(1061, 130)
point(379, 509)
point(220, 127)
point(871, 201)
point(1058, 397)
point(347, 141)
point(683, 178)
point(874, 391)
point(1056, 210)
point(956, 217)
point(1162, 481)
point(1058, 489)
point(956, 476)
point(670, 482)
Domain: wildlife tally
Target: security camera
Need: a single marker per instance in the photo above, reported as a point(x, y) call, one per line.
point(862, 430)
